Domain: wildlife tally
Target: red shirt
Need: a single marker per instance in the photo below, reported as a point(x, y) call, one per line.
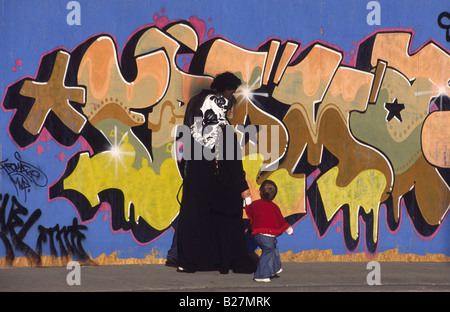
point(266, 218)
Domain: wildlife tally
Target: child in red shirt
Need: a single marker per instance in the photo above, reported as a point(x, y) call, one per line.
point(267, 223)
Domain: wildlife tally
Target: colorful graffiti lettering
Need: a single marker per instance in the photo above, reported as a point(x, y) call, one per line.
point(353, 137)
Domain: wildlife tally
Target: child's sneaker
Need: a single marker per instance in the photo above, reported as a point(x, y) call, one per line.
point(262, 280)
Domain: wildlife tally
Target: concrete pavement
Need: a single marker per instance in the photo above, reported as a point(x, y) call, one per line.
point(296, 277)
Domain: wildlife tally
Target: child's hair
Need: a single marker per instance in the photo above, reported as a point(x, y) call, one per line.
point(268, 190)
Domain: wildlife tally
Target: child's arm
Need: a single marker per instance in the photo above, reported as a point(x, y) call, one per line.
point(289, 230)
point(248, 211)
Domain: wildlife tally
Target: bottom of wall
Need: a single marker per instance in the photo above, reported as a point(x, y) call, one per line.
point(304, 256)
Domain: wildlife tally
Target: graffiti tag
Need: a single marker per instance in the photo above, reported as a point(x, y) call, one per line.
point(445, 16)
point(14, 228)
point(22, 174)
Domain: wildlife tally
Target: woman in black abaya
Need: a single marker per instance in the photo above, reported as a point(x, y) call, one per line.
point(210, 234)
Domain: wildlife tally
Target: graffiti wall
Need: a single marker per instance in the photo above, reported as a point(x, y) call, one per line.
point(350, 101)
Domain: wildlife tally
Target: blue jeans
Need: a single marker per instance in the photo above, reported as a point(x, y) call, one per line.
point(269, 261)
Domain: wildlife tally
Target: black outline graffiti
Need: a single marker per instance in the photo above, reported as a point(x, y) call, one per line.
point(443, 26)
point(9, 225)
point(69, 237)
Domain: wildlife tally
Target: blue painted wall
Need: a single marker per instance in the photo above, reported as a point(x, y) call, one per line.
point(35, 208)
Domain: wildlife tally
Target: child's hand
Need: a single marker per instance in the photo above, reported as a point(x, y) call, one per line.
point(246, 194)
point(290, 231)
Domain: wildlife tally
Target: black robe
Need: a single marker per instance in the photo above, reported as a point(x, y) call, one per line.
point(211, 235)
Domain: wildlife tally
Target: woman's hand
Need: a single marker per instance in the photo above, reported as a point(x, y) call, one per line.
point(246, 194)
